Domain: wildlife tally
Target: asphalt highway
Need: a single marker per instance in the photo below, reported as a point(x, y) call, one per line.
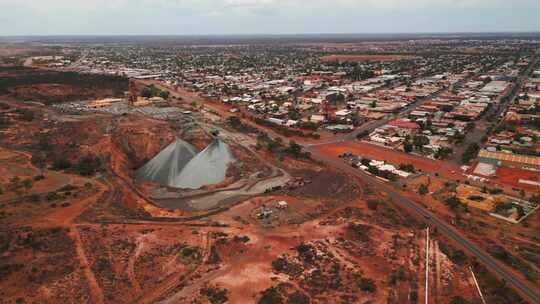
point(525, 289)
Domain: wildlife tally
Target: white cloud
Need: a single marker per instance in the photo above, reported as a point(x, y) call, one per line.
point(92, 5)
point(250, 3)
point(246, 16)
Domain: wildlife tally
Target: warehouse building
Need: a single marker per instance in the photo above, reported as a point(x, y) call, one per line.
point(509, 160)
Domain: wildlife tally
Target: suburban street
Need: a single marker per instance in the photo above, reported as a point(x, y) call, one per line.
point(494, 113)
point(372, 125)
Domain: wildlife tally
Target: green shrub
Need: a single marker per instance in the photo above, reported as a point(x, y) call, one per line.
point(367, 285)
point(61, 164)
point(271, 296)
point(52, 196)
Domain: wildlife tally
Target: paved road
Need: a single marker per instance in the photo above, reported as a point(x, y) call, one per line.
point(496, 112)
point(372, 125)
point(525, 289)
point(529, 292)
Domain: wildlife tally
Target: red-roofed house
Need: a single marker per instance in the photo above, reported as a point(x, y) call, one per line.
point(404, 124)
point(404, 127)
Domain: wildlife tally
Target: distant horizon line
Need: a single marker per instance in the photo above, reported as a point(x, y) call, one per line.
point(273, 34)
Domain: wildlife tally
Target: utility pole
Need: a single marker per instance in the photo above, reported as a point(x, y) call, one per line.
point(427, 265)
point(477, 286)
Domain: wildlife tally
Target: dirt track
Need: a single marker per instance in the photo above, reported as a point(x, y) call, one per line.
point(96, 294)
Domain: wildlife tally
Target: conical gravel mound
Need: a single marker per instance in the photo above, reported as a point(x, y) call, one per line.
point(167, 164)
point(206, 168)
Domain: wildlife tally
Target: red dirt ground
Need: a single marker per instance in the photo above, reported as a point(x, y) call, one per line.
point(444, 169)
point(107, 251)
point(511, 176)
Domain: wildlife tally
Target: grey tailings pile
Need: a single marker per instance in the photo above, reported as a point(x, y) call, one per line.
point(167, 164)
point(179, 165)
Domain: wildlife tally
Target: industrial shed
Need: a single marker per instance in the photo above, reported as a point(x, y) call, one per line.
point(509, 160)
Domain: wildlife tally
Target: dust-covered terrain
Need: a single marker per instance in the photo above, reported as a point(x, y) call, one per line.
point(77, 225)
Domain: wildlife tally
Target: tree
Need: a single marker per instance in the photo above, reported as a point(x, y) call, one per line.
point(226, 90)
point(373, 170)
point(443, 153)
point(447, 108)
point(164, 94)
point(365, 161)
point(373, 204)
point(61, 164)
point(426, 125)
point(470, 152)
point(52, 196)
point(215, 295)
point(407, 168)
point(15, 185)
point(414, 296)
point(453, 202)
point(88, 165)
point(235, 122)
point(407, 147)
point(356, 120)
point(340, 98)
point(271, 296)
point(298, 298)
point(459, 300)
point(420, 140)
point(272, 146)
point(294, 149)
point(146, 92)
point(367, 285)
point(27, 184)
point(25, 114)
point(4, 122)
point(423, 190)
point(294, 114)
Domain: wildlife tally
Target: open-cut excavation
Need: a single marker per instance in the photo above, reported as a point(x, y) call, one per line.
point(180, 166)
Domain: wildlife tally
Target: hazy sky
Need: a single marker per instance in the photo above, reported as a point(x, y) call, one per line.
point(191, 17)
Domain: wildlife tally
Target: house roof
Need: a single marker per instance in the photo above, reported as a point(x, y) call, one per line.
point(404, 124)
point(524, 159)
